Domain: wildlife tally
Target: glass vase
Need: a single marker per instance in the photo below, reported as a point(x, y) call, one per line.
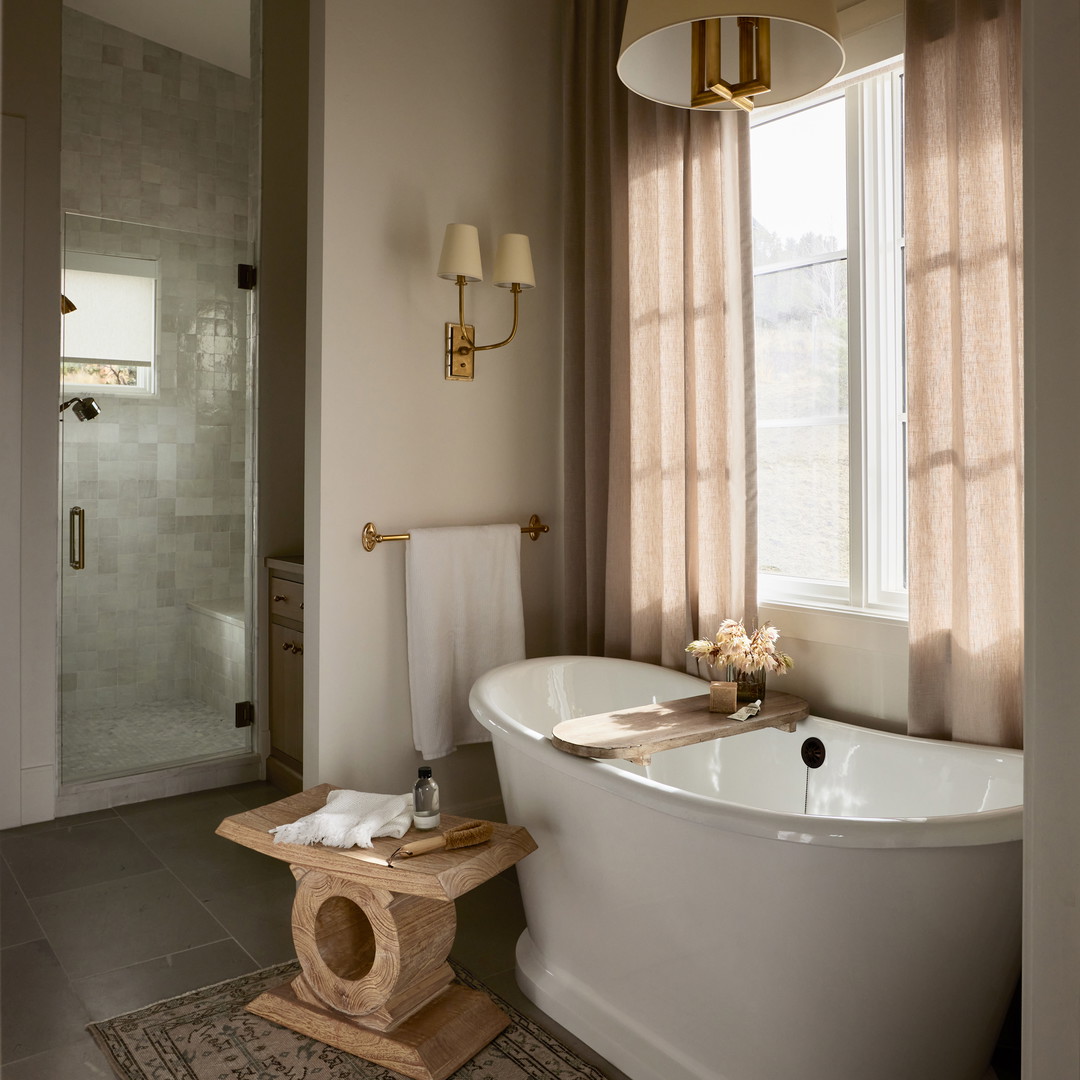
point(750, 685)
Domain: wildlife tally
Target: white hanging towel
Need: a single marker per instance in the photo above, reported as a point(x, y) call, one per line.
point(464, 611)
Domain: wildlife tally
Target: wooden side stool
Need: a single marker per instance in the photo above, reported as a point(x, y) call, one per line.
point(373, 942)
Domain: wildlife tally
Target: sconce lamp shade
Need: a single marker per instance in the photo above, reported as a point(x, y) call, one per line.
point(513, 262)
point(655, 56)
point(461, 254)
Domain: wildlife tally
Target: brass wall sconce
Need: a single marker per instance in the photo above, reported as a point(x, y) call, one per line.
point(672, 50)
point(460, 263)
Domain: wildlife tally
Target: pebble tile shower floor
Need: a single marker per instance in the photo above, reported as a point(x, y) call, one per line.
point(120, 740)
point(106, 912)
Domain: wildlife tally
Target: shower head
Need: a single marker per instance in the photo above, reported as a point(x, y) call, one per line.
point(84, 408)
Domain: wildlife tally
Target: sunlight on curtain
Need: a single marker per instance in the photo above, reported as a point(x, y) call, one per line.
point(965, 362)
point(660, 444)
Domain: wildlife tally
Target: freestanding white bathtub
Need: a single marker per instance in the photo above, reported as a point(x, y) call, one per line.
point(726, 913)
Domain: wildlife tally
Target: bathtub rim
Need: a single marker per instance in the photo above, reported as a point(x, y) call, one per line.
point(1004, 825)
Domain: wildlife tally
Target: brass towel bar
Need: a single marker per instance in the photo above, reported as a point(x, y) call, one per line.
point(372, 536)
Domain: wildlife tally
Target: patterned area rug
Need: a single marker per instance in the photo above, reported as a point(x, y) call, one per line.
point(207, 1035)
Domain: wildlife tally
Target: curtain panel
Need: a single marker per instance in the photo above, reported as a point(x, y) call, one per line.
point(965, 363)
point(659, 384)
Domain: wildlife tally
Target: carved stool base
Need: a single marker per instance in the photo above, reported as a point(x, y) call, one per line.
point(431, 1044)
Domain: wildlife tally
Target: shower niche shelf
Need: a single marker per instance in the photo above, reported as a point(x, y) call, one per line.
point(635, 734)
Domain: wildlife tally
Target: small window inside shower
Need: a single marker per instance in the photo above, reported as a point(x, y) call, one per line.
point(109, 338)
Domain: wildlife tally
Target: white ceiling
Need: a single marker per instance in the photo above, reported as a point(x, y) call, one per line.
point(217, 31)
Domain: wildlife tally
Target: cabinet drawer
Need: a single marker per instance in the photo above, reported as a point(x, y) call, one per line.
point(287, 693)
point(287, 599)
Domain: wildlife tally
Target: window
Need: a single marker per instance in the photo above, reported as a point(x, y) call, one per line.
point(110, 339)
point(828, 293)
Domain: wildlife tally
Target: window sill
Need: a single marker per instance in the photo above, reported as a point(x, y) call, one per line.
point(876, 631)
point(841, 610)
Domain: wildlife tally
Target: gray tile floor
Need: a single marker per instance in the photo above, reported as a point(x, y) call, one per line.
point(106, 912)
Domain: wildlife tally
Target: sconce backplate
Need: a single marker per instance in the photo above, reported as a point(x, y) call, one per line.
point(460, 352)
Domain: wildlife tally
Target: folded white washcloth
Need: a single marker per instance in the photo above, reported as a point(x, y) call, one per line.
point(350, 819)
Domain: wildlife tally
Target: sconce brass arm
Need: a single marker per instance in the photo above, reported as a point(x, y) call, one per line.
point(460, 344)
point(515, 288)
point(461, 283)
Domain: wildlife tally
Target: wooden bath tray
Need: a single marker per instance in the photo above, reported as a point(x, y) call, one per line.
point(638, 733)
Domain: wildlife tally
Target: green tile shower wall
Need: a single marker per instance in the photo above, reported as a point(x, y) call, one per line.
point(155, 163)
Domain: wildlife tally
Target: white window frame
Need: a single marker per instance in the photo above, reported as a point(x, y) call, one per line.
point(876, 401)
point(146, 370)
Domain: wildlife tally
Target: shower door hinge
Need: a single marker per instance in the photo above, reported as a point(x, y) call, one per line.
point(245, 713)
point(245, 276)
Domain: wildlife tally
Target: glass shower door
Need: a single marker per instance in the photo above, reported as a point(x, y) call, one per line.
point(155, 502)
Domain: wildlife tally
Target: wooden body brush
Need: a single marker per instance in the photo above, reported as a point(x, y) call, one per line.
point(464, 835)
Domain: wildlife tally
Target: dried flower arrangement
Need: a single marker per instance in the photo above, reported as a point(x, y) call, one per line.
point(742, 651)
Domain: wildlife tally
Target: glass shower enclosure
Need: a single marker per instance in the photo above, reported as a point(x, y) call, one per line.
point(155, 500)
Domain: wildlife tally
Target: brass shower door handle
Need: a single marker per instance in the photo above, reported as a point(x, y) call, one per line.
point(77, 549)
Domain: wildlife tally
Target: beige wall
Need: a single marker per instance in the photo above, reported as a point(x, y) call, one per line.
point(282, 258)
point(30, 344)
point(849, 666)
point(281, 301)
point(1052, 391)
point(423, 113)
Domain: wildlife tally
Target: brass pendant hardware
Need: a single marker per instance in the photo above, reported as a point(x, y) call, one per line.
point(755, 69)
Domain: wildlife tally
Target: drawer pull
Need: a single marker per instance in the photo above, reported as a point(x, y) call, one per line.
point(280, 597)
point(297, 648)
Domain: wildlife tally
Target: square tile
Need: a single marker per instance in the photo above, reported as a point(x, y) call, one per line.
point(259, 917)
point(58, 823)
point(38, 1009)
point(124, 989)
point(181, 832)
point(77, 855)
point(80, 1060)
point(211, 866)
point(17, 922)
point(114, 924)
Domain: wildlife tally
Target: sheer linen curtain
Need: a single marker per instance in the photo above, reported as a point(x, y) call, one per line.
point(965, 362)
point(659, 385)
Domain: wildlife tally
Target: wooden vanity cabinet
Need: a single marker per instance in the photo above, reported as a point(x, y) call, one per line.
point(285, 599)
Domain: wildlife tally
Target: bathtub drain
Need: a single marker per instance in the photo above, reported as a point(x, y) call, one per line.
point(813, 755)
